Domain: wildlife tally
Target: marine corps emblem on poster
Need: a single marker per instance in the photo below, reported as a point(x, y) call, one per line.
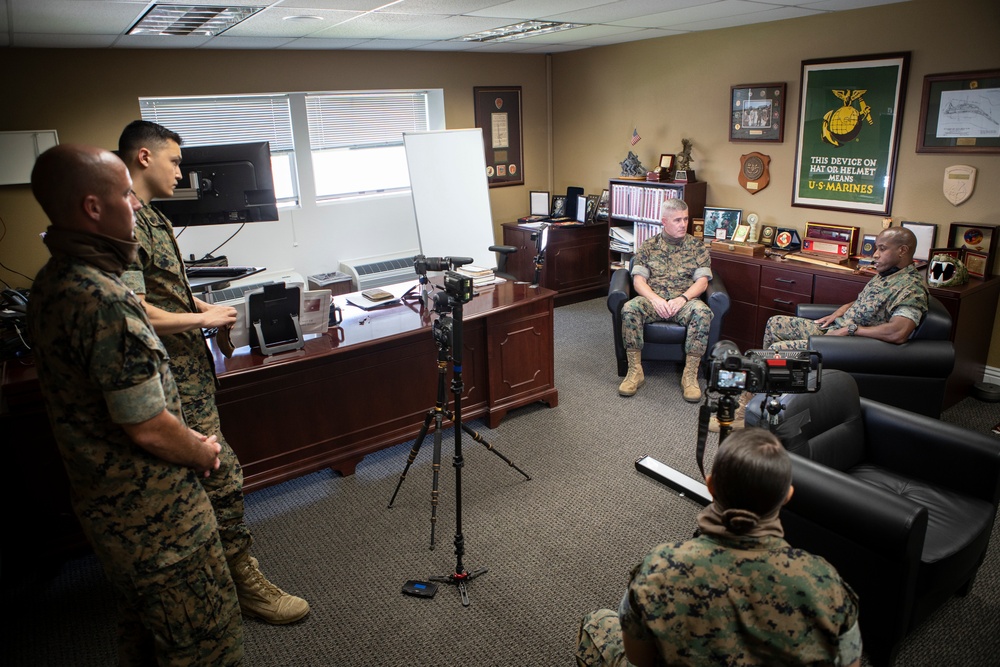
point(754, 175)
point(959, 181)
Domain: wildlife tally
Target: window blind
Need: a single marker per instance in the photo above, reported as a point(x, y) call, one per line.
point(205, 121)
point(355, 120)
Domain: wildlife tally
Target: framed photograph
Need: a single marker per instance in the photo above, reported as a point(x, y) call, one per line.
point(741, 233)
point(539, 202)
point(977, 263)
point(724, 220)
point(960, 113)
point(926, 233)
point(758, 112)
point(850, 113)
point(667, 161)
point(602, 205)
point(498, 114)
point(581, 208)
point(558, 209)
point(977, 238)
point(592, 201)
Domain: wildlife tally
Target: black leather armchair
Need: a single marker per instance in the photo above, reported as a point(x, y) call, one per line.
point(901, 504)
point(911, 375)
point(664, 341)
point(502, 251)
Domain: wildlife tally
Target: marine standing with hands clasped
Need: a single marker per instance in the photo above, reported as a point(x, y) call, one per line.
point(135, 469)
point(670, 271)
point(152, 154)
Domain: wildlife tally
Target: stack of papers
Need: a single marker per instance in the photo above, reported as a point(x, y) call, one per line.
point(479, 275)
point(622, 240)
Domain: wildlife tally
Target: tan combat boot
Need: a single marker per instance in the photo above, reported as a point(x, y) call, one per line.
point(689, 379)
point(261, 599)
point(634, 379)
point(739, 415)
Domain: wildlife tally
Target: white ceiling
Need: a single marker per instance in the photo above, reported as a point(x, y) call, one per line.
point(427, 25)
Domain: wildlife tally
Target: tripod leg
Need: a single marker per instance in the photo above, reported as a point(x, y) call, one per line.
point(436, 467)
point(475, 435)
point(413, 453)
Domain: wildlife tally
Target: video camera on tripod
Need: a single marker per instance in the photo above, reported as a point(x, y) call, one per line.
point(731, 373)
point(763, 371)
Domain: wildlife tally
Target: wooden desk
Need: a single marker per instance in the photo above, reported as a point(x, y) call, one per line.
point(575, 264)
point(362, 386)
point(760, 287)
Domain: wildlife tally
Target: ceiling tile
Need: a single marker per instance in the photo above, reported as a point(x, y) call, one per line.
point(51, 41)
point(224, 41)
point(451, 27)
point(374, 26)
point(533, 9)
point(78, 17)
point(275, 22)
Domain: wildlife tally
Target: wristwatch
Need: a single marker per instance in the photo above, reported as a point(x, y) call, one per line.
point(852, 329)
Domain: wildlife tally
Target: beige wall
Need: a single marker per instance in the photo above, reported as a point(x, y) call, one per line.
point(669, 88)
point(677, 87)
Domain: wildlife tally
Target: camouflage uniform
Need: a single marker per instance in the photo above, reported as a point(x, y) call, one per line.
point(159, 274)
point(150, 522)
point(902, 294)
point(670, 269)
point(730, 601)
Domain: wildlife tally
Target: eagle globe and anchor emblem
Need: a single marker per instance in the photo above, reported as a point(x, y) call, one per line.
point(844, 124)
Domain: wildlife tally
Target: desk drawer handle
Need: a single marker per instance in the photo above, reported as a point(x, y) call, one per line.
point(784, 280)
point(784, 303)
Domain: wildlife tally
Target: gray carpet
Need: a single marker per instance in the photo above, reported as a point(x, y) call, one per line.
point(556, 546)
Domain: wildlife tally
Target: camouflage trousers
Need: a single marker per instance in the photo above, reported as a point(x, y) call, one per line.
point(695, 315)
point(183, 615)
point(784, 332)
point(599, 643)
point(225, 485)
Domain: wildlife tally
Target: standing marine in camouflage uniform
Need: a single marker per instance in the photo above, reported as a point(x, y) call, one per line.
point(153, 155)
point(669, 273)
point(737, 594)
point(889, 308)
point(134, 467)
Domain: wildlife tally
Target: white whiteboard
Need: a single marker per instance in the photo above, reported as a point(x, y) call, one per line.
point(451, 199)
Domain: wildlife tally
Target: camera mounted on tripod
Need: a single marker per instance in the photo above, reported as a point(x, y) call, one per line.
point(457, 287)
point(763, 371)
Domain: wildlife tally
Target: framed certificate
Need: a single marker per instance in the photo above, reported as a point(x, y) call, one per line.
point(498, 114)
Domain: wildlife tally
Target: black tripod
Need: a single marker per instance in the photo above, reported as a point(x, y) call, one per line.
point(448, 336)
point(540, 238)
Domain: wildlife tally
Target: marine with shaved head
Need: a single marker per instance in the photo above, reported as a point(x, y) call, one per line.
point(134, 467)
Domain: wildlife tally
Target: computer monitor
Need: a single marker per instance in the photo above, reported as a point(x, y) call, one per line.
point(229, 183)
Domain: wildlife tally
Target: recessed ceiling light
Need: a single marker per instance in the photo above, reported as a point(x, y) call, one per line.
point(302, 17)
point(520, 30)
point(190, 19)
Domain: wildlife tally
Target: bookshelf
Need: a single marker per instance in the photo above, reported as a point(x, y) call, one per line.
point(634, 211)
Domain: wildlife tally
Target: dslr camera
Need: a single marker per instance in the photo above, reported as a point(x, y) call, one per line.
point(456, 285)
point(764, 371)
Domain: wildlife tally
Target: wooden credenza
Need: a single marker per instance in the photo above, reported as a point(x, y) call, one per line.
point(760, 287)
point(575, 262)
point(362, 386)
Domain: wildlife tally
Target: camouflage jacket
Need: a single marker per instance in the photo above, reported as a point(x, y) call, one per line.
point(741, 601)
point(159, 274)
point(100, 365)
point(671, 269)
point(903, 294)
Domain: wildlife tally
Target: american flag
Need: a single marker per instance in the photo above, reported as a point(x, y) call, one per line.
point(635, 136)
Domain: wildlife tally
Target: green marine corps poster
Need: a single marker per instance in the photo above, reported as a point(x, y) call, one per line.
point(849, 119)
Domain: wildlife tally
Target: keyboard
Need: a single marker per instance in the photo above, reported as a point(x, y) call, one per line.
point(219, 271)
